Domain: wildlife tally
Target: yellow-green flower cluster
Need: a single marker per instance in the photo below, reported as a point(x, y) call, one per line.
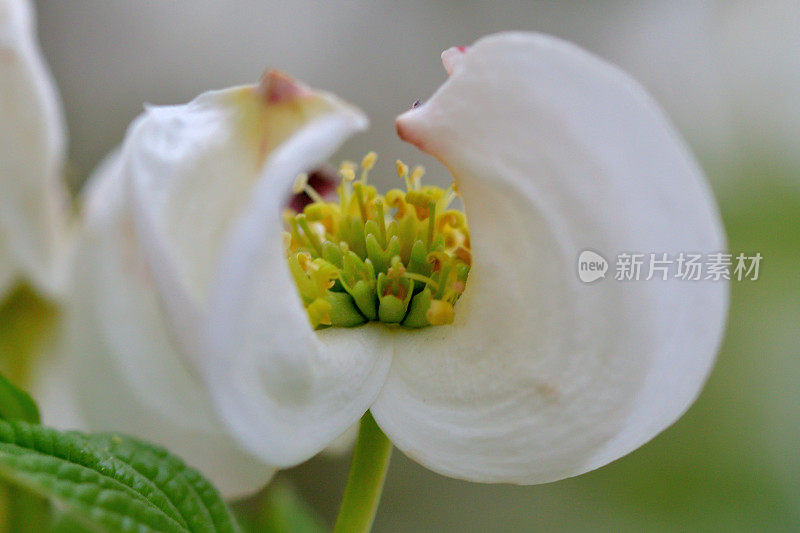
point(399, 258)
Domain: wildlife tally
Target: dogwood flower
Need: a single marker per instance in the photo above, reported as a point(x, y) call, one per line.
point(473, 343)
point(34, 234)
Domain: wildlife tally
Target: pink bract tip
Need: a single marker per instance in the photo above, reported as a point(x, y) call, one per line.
point(277, 86)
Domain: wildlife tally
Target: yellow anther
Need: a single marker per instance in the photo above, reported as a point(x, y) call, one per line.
point(464, 254)
point(397, 198)
point(347, 170)
point(453, 239)
point(402, 172)
point(287, 240)
point(305, 261)
point(369, 161)
point(437, 259)
point(453, 225)
point(416, 176)
point(451, 219)
point(300, 183)
point(422, 201)
point(319, 313)
point(402, 169)
point(440, 313)
point(326, 214)
point(366, 165)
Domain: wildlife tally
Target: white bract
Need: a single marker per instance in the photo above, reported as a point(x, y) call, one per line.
point(186, 305)
point(34, 234)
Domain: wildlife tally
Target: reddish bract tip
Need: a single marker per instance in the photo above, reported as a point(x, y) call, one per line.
point(277, 86)
point(406, 132)
point(452, 57)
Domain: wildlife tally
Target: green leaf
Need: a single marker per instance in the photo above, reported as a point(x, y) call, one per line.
point(21, 511)
point(15, 404)
point(111, 482)
point(280, 509)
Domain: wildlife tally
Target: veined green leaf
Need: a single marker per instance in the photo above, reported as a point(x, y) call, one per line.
point(111, 482)
point(15, 404)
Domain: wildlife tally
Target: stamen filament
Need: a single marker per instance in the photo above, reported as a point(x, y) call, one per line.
point(402, 171)
point(301, 186)
point(431, 222)
point(358, 189)
point(381, 219)
point(423, 279)
point(312, 238)
point(366, 165)
point(443, 277)
point(416, 176)
point(313, 194)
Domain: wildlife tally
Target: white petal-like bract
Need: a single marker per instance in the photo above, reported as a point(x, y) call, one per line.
point(34, 233)
point(542, 377)
point(287, 391)
point(126, 371)
point(183, 300)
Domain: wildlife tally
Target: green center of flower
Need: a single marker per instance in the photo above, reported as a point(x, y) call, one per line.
point(399, 258)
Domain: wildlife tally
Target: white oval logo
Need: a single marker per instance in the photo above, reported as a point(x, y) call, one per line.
point(591, 266)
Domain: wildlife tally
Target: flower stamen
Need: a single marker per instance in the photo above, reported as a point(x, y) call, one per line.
point(301, 186)
point(400, 258)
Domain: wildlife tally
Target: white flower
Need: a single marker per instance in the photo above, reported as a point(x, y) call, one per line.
point(34, 234)
point(187, 309)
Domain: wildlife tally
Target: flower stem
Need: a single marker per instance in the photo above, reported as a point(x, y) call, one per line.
point(365, 482)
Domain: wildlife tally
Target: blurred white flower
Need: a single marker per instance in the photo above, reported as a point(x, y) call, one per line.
point(187, 327)
point(34, 232)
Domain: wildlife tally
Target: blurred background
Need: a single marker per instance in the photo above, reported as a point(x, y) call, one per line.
point(728, 73)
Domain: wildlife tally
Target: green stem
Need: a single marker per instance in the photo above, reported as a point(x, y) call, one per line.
point(365, 482)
